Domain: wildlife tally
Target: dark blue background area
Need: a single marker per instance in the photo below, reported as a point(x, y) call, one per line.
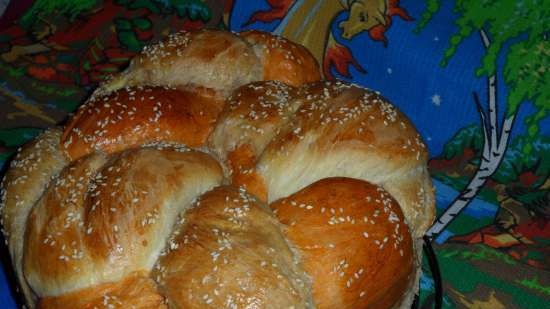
point(408, 72)
point(6, 299)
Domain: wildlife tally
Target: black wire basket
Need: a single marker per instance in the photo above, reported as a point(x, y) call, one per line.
point(437, 295)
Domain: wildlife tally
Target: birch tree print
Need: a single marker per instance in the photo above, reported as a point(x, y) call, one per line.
point(525, 24)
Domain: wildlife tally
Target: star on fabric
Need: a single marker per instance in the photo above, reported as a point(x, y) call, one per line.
point(436, 99)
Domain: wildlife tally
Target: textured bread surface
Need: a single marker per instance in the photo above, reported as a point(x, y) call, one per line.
point(283, 60)
point(229, 252)
point(218, 171)
point(285, 138)
point(219, 60)
point(25, 181)
point(136, 291)
point(352, 240)
point(103, 219)
point(134, 116)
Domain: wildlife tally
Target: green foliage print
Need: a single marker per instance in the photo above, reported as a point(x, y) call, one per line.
point(70, 8)
point(514, 162)
point(525, 24)
point(535, 285)
point(194, 9)
point(468, 137)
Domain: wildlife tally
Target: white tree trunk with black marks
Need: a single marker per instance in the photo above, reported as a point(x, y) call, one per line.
point(494, 147)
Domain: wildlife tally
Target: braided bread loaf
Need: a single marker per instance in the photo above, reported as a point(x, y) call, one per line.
point(218, 171)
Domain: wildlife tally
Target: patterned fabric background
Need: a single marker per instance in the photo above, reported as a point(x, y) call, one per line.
point(471, 74)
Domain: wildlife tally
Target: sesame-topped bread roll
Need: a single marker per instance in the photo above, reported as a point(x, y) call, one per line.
point(218, 171)
point(353, 243)
point(134, 116)
point(105, 218)
point(229, 252)
point(276, 139)
point(219, 60)
point(283, 60)
point(28, 176)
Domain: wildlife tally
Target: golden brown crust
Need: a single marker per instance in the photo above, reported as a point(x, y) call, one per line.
point(219, 60)
point(352, 240)
point(344, 130)
point(34, 166)
point(337, 113)
point(251, 118)
point(252, 115)
point(229, 252)
point(103, 219)
point(283, 60)
point(276, 139)
point(136, 291)
point(131, 117)
point(103, 197)
point(54, 253)
point(208, 58)
point(242, 162)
